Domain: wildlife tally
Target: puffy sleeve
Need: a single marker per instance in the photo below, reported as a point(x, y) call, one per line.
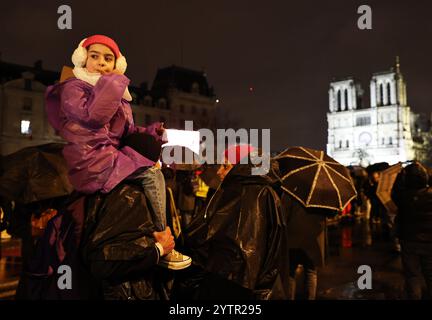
point(95, 108)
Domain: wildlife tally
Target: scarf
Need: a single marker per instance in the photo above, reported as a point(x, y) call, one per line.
point(92, 78)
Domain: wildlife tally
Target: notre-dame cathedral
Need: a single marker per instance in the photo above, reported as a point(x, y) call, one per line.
point(381, 132)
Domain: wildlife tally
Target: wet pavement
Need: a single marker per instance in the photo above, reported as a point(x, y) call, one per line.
point(10, 267)
point(350, 245)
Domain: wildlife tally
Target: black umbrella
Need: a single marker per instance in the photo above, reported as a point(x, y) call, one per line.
point(314, 179)
point(377, 167)
point(34, 174)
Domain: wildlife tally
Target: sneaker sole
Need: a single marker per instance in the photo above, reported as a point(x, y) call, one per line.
point(176, 266)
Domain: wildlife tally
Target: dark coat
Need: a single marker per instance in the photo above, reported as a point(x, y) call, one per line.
point(306, 229)
point(119, 247)
point(242, 235)
point(107, 241)
point(415, 215)
point(59, 245)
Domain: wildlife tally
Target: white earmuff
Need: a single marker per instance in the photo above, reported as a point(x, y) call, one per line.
point(79, 56)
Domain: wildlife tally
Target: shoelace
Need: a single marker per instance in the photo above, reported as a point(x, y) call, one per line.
point(176, 254)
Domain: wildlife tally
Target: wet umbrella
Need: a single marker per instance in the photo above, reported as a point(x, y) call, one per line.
point(377, 167)
point(314, 179)
point(385, 185)
point(34, 174)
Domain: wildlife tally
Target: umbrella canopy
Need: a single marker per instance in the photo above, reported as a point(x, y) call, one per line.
point(377, 167)
point(385, 185)
point(314, 179)
point(34, 174)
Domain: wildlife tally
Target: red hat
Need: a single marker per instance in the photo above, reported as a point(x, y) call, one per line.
point(79, 56)
point(235, 153)
point(98, 38)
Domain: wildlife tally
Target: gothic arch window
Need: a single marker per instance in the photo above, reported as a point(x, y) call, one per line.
point(340, 144)
point(388, 94)
point(381, 93)
point(339, 101)
point(390, 140)
point(347, 143)
point(346, 99)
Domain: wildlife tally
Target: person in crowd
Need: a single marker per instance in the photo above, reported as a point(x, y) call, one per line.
point(413, 197)
point(242, 236)
point(91, 111)
point(307, 239)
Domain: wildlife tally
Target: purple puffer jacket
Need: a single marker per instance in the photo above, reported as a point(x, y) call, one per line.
point(93, 119)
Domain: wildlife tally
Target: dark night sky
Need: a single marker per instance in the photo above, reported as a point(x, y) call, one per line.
point(288, 51)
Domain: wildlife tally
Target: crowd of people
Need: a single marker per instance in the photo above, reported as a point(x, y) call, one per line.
point(138, 229)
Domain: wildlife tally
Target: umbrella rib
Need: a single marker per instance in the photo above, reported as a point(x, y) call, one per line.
point(303, 158)
point(335, 187)
point(313, 185)
point(313, 156)
point(298, 169)
point(340, 175)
